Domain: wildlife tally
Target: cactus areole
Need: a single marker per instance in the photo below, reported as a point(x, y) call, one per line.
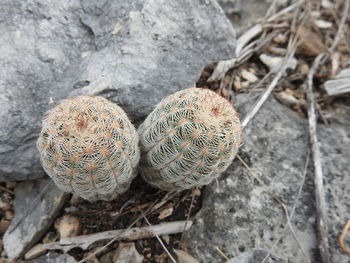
point(89, 147)
point(188, 139)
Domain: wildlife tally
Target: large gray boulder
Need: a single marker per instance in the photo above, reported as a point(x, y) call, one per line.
point(244, 13)
point(133, 52)
point(241, 214)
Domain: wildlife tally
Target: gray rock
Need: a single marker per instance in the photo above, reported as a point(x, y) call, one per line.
point(133, 52)
point(241, 214)
point(39, 219)
point(243, 13)
point(53, 258)
point(256, 255)
point(335, 147)
point(125, 253)
point(41, 43)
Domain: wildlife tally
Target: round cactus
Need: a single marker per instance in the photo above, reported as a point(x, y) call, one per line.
point(188, 139)
point(89, 147)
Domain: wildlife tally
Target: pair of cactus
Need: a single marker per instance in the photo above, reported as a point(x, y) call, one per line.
point(89, 147)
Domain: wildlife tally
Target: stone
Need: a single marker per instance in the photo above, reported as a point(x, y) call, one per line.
point(39, 219)
point(52, 257)
point(132, 52)
point(255, 255)
point(68, 226)
point(125, 253)
point(184, 257)
point(275, 63)
point(241, 214)
point(244, 13)
point(334, 143)
point(340, 84)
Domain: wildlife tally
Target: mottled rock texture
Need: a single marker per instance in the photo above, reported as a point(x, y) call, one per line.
point(244, 13)
point(241, 214)
point(255, 255)
point(133, 52)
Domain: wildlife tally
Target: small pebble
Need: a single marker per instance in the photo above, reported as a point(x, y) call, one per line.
point(249, 76)
point(286, 98)
point(68, 226)
point(280, 39)
point(237, 84)
point(323, 24)
point(327, 4)
point(275, 63)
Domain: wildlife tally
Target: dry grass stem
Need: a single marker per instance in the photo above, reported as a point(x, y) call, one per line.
point(342, 237)
point(221, 253)
point(321, 209)
point(159, 239)
point(249, 169)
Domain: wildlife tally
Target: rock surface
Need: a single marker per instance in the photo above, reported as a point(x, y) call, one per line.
point(241, 214)
point(243, 13)
point(254, 256)
point(53, 258)
point(125, 253)
point(133, 52)
point(35, 224)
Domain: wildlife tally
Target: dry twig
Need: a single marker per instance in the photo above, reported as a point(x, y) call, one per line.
point(321, 210)
point(129, 234)
point(341, 27)
point(221, 253)
point(152, 208)
point(342, 237)
point(159, 239)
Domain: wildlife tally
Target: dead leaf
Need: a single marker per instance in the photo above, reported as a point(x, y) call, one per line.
point(311, 44)
point(165, 213)
point(184, 257)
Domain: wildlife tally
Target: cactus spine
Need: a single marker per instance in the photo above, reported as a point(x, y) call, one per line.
point(188, 139)
point(89, 147)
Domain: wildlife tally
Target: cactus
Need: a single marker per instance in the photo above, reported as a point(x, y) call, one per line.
point(89, 147)
point(188, 139)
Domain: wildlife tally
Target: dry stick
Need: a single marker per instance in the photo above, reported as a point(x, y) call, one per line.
point(292, 46)
point(339, 34)
point(342, 237)
point(2, 188)
point(249, 169)
point(321, 210)
point(130, 234)
point(221, 253)
point(159, 239)
point(188, 216)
